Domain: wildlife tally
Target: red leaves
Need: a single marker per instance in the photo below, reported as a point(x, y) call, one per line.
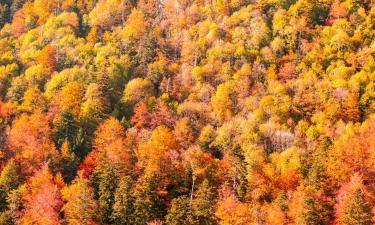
point(88, 165)
point(160, 114)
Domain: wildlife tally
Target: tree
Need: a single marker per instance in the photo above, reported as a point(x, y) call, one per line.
point(231, 211)
point(9, 180)
point(88, 165)
point(159, 155)
point(159, 114)
point(123, 206)
point(203, 204)
point(148, 206)
point(110, 142)
point(180, 212)
point(224, 102)
point(69, 162)
point(66, 129)
point(352, 207)
point(80, 207)
point(47, 58)
point(33, 100)
point(107, 184)
point(70, 98)
point(30, 140)
point(42, 200)
point(108, 13)
point(95, 106)
point(137, 90)
point(356, 210)
point(135, 26)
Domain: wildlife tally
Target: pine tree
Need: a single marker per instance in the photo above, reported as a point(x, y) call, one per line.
point(123, 206)
point(355, 210)
point(147, 205)
point(107, 184)
point(9, 181)
point(204, 204)
point(181, 212)
point(310, 215)
point(81, 207)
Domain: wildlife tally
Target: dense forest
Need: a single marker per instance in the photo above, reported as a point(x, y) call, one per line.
point(187, 112)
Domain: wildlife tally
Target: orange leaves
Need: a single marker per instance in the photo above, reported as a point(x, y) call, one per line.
point(110, 142)
point(349, 110)
point(230, 211)
point(287, 72)
point(18, 23)
point(47, 57)
point(202, 164)
point(42, 200)
point(155, 154)
point(7, 111)
point(30, 141)
point(354, 152)
point(88, 165)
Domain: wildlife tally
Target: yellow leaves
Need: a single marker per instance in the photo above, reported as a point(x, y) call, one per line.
point(224, 102)
point(240, 51)
point(135, 26)
point(279, 21)
point(61, 25)
point(65, 151)
point(286, 160)
point(43, 8)
point(136, 90)
point(33, 100)
point(36, 75)
point(197, 73)
point(70, 98)
point(59, 80)
point(106, 14)
point(6, 73)
point(267, 102)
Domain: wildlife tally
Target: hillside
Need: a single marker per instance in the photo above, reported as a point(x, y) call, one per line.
point(187, 112)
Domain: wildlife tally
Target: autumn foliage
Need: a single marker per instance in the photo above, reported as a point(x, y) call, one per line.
point(184, 112)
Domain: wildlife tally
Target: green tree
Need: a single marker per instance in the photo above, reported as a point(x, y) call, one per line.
point(356, 210)
point(80, 207)
point(147, 204)
point(180, 212)
point(9, 180)
point(123, 205)
point(203, 204)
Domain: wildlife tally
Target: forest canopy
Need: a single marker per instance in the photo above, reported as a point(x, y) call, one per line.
point(187, 112)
